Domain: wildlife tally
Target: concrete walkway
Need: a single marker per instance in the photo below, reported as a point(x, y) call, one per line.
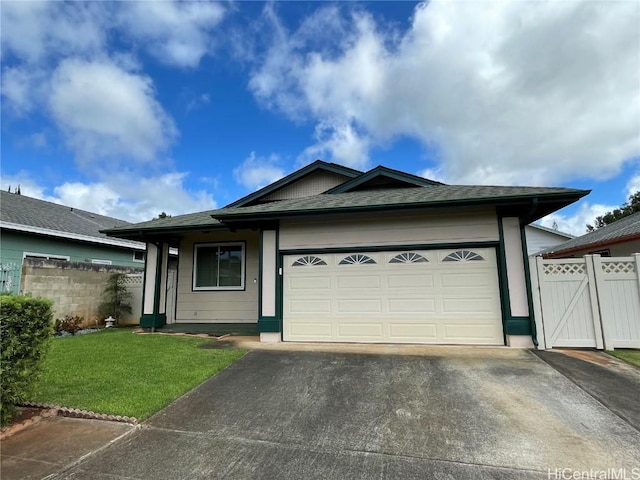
point(55, 444)
point(614, 383)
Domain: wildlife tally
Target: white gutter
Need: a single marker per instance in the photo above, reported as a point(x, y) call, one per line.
point(74, 236)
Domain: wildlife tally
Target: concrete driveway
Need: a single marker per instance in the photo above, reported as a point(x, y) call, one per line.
point(482, 413)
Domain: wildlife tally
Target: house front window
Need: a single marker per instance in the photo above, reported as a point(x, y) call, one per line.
point(219, 266)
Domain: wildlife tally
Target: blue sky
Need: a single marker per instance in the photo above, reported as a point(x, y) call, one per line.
point(133, 108)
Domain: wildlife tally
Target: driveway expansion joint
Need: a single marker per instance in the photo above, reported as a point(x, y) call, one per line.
point(316, 449)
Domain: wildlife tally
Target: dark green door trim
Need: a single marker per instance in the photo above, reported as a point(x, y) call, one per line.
point(155, 319)
point(389, 248)
point(527, 278)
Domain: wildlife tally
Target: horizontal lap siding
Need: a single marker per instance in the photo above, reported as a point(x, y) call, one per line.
point(452, 226)
point(218, 306)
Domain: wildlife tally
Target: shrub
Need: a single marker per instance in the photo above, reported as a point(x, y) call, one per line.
point(70, 324)
point(115, 297)
point(25, 328)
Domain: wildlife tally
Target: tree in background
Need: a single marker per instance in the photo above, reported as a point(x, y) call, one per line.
point(632, 206)
point(116, 297)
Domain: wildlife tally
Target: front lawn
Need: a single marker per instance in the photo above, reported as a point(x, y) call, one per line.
point(118, 372)
point(629, 356)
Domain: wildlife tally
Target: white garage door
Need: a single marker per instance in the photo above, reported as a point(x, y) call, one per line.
point(417, 296)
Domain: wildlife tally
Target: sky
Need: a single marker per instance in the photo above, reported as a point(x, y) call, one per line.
point(129, 109)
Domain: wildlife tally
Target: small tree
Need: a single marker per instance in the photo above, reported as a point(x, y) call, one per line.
point(115, 297)
point(629, 208)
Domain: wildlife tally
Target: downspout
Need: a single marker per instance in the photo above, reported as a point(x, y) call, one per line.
point(527, 273)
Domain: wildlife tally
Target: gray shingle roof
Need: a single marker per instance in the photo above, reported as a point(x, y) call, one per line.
point(28, 212)
point(627, 227)
point(436, 194)
point(382, 199)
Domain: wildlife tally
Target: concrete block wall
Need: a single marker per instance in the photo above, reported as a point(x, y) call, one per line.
point(74, 287)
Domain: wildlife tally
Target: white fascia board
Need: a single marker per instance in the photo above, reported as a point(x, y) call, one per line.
point(115, 242)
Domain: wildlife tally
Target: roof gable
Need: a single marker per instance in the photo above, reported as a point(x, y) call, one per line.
point(269, 193)
point(382, 178)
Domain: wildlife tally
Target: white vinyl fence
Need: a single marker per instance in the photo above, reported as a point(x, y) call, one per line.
point(134, 285)
point(587, 302)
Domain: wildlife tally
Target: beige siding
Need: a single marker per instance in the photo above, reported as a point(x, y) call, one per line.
point(218, 306)
point(391, 229)
point(515, 267)
point(313, 184)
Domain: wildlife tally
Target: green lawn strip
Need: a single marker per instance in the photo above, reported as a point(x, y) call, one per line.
point(120, 373)
point(629, 356)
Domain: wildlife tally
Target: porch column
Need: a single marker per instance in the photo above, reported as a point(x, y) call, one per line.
point(154, 296)
point(268, 321)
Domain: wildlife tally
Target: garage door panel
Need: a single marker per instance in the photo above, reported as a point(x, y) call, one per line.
point(358, 281)
point(417, 298)
point(468, 305)
point(409, 280)
point(357, 330)
point(352, 305)
point(412, 305)
point(425, 332)
point(466, 279)
point(309, 283)
point(315, 329)
point(309, 306)
point(480, 334)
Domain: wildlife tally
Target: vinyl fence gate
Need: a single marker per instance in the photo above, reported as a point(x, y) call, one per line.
point(587, 302)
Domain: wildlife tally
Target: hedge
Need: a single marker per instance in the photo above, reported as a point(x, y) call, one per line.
point(25, 329)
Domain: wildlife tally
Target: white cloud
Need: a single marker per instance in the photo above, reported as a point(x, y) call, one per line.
point(34, 30)
point(508, 92)
point(123, 196)
point(256, 172)
point(633, 185)
point(22, 88)
point(176, 33)
point(576, 224)
point(27, 185)
point(106, 111)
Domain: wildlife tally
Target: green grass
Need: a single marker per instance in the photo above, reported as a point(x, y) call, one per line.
point(629, 356)
point(120, 373)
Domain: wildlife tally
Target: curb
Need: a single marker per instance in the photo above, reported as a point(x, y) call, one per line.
point(50, 410)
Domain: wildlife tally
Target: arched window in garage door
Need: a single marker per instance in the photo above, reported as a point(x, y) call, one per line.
point(408, 257)
point(462, 256)
point(356, 259)
point(309, 260)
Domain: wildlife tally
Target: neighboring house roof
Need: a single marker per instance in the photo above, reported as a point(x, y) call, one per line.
point(30, 215)
point(297, 175)
point(536, 201)
point(623, 230)
point(551, 230)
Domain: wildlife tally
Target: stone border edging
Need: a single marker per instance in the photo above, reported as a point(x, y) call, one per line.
point(50, 410)
point(6, 432)
point(79, 413)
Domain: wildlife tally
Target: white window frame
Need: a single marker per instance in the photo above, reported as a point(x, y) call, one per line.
point(134, 256)
point(243, 266)
point(99, 261)
point(46, 256)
